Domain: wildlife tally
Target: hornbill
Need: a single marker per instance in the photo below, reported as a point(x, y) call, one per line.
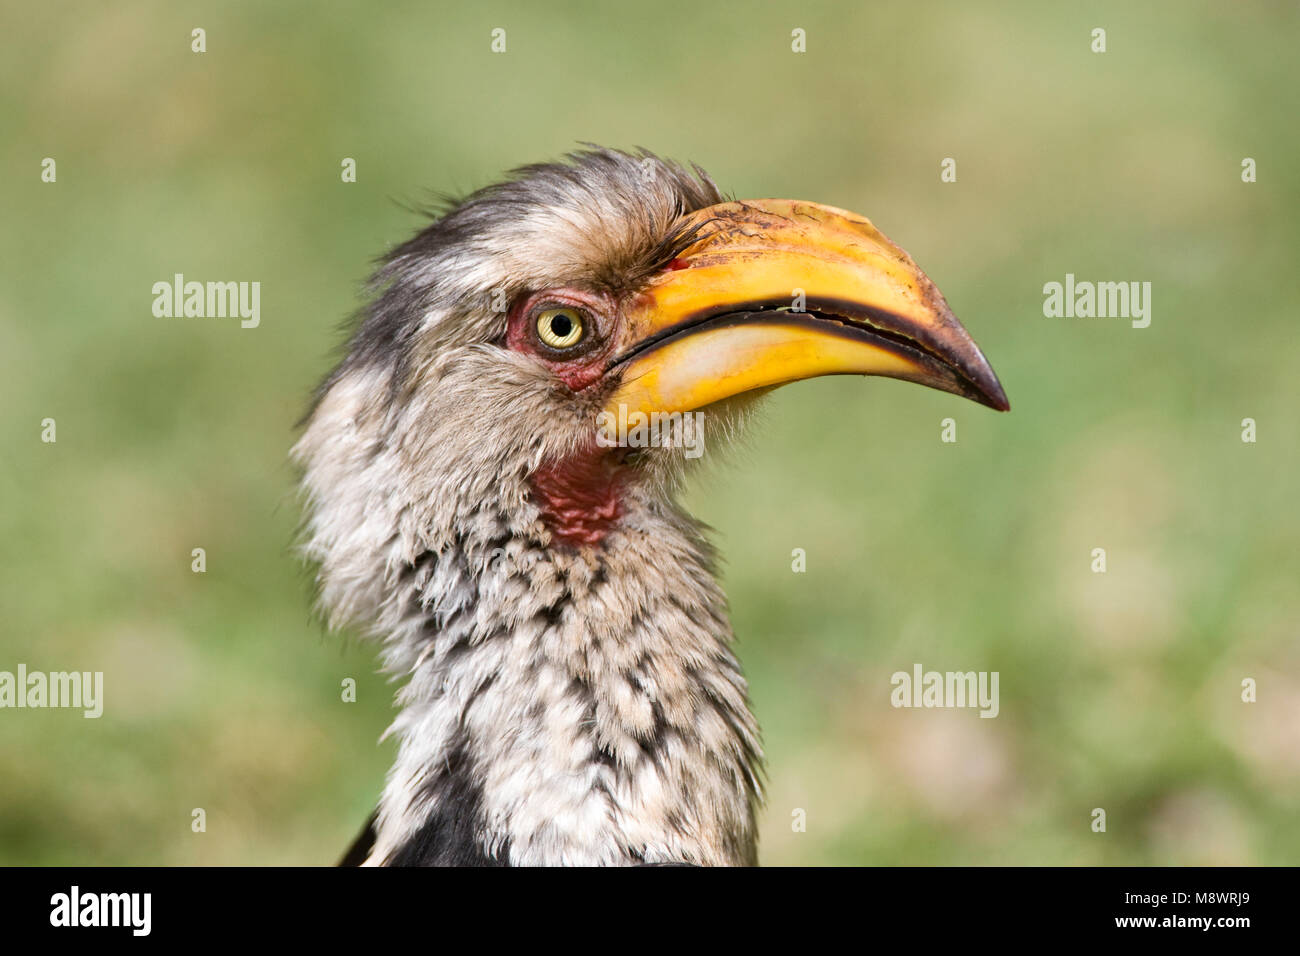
point(571, 693)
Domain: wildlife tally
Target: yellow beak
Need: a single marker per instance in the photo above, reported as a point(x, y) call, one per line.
point(772, 291)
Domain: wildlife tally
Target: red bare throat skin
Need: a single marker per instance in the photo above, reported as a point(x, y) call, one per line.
point(580, 497)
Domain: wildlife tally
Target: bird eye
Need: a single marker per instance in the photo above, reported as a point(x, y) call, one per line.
point(560, 328)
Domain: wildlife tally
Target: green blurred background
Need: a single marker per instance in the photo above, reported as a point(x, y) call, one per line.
point(1119, 691)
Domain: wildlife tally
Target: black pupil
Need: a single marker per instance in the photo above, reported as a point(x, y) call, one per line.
point(561, 325)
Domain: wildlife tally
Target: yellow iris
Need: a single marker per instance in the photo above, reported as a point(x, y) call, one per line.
point(560, 328)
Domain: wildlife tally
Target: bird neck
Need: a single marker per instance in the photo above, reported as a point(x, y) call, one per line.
point(569, 705)
point(580, 497)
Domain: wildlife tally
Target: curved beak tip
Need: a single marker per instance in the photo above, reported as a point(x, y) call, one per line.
point(990, 391)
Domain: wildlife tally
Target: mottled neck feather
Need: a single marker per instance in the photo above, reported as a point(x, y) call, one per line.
point(570, 706)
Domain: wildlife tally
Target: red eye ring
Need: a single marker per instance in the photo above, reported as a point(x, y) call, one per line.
point(581, 363)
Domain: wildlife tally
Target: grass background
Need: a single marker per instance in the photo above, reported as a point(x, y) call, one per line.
point(1119, 691)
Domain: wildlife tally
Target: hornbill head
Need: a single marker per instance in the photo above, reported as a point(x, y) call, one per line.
point(572, 696)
